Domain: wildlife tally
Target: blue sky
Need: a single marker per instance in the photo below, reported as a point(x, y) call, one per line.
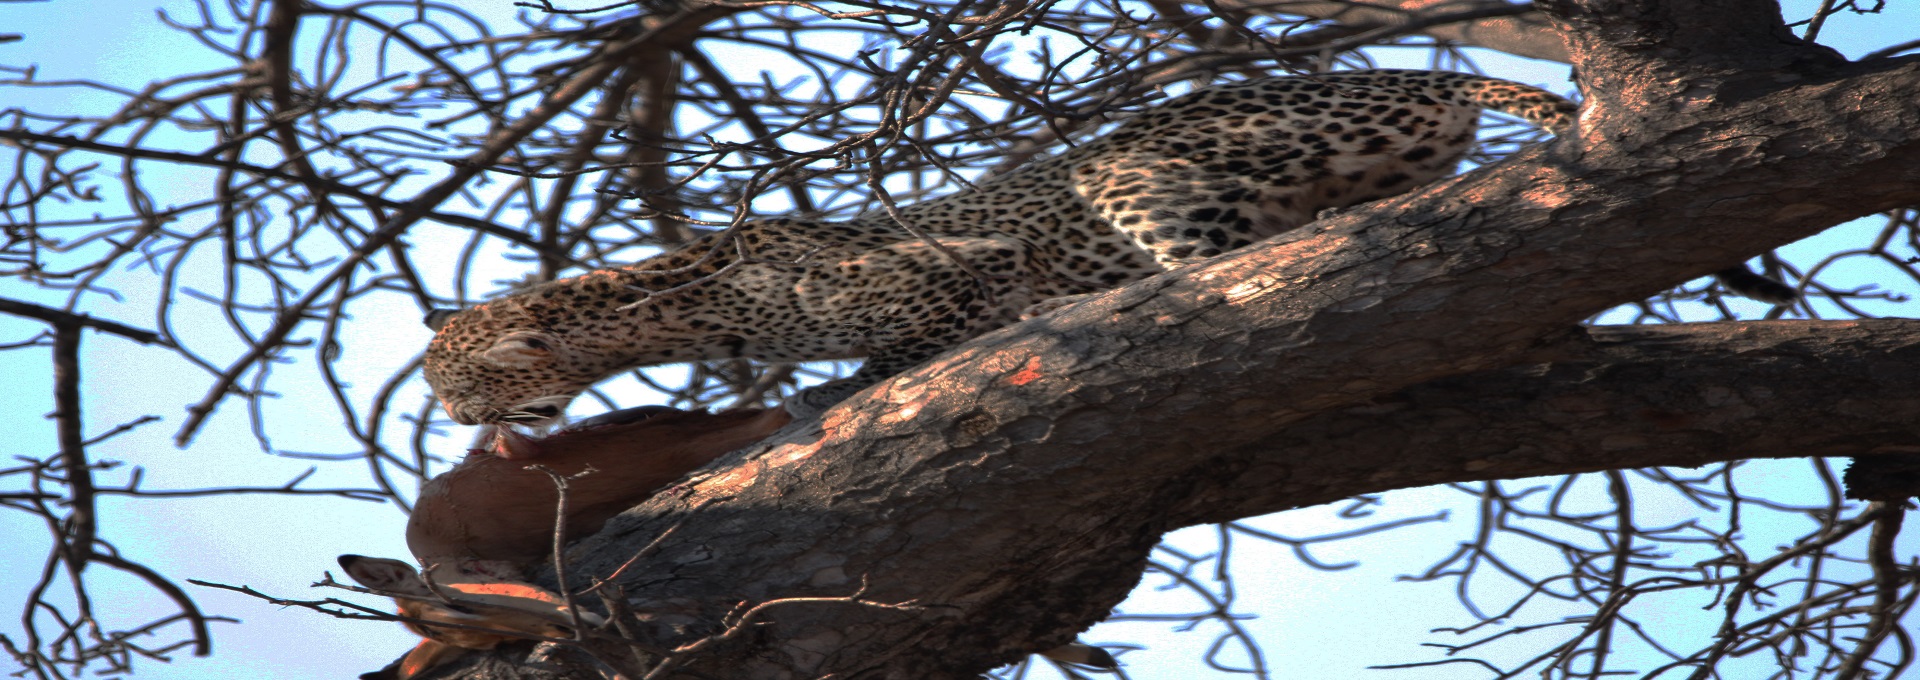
point(1311, 621)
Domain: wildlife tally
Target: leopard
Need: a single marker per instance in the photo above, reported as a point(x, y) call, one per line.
point(1219, 168)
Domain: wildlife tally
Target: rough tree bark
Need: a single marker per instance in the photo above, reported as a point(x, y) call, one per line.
point(1634, 397)
point(1007, 493)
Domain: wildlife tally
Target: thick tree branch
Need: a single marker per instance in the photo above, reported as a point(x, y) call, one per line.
point(1641, 396)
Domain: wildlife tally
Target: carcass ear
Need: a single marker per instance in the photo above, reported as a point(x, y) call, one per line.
point(437, 318)
point(393, 576)
point(520, 349)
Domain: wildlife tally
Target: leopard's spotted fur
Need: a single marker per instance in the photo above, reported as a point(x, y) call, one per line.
point(1202, 174)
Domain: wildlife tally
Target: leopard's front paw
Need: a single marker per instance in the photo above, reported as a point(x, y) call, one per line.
point(815, 400)
point(798, 407)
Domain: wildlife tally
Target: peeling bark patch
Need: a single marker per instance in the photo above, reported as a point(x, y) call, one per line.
point(1251, 283)
point(910, 393)
point(729, 482)
point(1027, 374)
point(902, 414)
point(1549, 193)
point(1249, 288)
point(787, 454)
point(841, 420)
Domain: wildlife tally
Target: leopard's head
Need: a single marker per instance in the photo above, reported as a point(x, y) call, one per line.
point(502, 363)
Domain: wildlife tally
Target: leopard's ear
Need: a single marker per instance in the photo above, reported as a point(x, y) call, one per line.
point(437, 318)
point(520, 349)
